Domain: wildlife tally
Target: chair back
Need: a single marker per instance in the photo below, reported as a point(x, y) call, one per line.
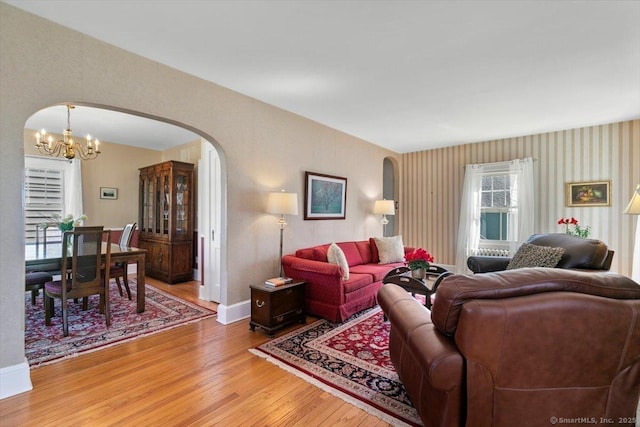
point(127, 235)
point(82, 252)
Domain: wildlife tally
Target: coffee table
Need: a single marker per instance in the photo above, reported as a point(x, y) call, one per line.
point(401, 276)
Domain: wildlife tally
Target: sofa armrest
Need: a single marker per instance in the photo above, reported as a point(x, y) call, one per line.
point(324, 280)
point(486, 264)
point(428, 362)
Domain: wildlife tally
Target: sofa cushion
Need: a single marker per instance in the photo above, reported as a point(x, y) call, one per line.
point(336, 256)
point(364, 247)
point(374, 250)
point(351, 253)
point(454, 291)
point(377, 271)
point(390, 249)
point(357, 282)
point(529, 255)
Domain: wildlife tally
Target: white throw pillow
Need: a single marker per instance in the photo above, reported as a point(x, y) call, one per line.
point(336, 256)
point(390, 249)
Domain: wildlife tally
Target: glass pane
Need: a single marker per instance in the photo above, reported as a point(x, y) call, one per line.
point(486, 200)
point(499, 182)
point(486, 183)
point(493, 225)
point(499, 199)
point(149, 204)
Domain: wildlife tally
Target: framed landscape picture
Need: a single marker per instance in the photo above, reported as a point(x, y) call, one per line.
point(325, 196)
point(108, 193)
point(594, 193)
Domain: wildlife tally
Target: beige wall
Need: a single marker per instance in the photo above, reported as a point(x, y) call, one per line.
point(432, 185)
point(262, 148)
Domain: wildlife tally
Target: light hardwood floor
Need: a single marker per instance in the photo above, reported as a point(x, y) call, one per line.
point(200, 374)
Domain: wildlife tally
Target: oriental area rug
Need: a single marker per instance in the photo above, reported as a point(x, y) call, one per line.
point(349, 360)
point(88, 330)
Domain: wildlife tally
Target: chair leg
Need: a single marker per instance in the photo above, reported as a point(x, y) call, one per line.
point(34, 294)
point(119, 286)
point(65, 319)
point(85, 303)
point(126, 285)
point(48, 308)
point(107, 310)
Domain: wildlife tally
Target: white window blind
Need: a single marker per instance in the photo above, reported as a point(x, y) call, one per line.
point(44, 196)
point(51, 186)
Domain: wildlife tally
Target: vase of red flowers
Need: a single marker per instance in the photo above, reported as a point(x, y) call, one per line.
point(418, 262)
point(576, 230)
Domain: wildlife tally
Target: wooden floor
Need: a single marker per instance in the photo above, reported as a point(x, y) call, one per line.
point(200, 374)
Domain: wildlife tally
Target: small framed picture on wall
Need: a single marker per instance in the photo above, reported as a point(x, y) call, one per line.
point(108, 193)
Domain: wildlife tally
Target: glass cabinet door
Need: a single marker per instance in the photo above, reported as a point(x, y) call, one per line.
point(182, 188)
point(165, 203)
point(146, 191)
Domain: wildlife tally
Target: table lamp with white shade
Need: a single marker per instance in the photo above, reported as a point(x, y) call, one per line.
point(282, 204)
point(384, 208)
point(633, 208)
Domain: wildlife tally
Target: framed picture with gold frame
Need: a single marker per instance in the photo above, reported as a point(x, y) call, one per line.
point(585, 194)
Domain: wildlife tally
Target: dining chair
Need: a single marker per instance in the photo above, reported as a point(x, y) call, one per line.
point(34, 281)
point(119, 269)
point(82, 250)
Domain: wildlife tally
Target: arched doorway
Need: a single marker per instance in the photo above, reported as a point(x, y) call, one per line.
point(116, 117)
point(390, 192)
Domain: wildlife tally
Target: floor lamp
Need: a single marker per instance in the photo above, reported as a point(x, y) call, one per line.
point(633, 208)
point(384, 208)
point(282, 204)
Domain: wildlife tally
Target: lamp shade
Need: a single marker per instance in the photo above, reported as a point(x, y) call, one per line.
point(384, 207)
point(282, 203)
point(633, 208)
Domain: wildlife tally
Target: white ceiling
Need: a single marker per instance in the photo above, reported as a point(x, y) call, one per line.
point(406, 75)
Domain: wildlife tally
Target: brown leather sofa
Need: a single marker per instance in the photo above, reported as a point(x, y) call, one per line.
point(524, 347)
point(579, 253)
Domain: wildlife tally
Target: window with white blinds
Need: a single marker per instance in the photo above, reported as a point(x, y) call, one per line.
point(43, 197)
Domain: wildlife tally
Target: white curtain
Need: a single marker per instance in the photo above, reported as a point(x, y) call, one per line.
point(521, 213)
point(522, 202)
point(73, 188)
point(469, 225)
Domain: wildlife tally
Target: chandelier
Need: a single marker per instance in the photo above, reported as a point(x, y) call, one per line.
point(67, 147)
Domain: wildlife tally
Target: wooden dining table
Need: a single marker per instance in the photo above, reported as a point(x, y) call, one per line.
point(48, 257)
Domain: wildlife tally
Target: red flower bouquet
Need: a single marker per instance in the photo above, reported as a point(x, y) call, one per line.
point(577, 229)
point(419, 258)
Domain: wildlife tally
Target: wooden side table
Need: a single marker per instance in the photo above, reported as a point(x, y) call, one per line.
point(275, 307)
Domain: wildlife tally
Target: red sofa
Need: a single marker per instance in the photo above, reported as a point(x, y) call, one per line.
point(327, 294)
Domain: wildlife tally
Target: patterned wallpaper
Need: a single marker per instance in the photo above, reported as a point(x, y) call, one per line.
point(431, 185)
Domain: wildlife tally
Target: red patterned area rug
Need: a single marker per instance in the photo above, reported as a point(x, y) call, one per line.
point(349, 360)
point(88, 330)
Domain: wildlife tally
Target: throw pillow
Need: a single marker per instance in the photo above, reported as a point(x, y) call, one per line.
point(390, 249)
point(336, 256)
point(529, 255)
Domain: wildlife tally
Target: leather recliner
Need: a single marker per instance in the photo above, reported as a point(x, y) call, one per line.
point(579, 254)
point(523, 347)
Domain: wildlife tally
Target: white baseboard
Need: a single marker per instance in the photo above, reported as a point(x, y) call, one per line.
point(234, 313)
point(15, 380)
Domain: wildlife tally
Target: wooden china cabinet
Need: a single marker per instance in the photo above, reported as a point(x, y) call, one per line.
point(166, 220)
